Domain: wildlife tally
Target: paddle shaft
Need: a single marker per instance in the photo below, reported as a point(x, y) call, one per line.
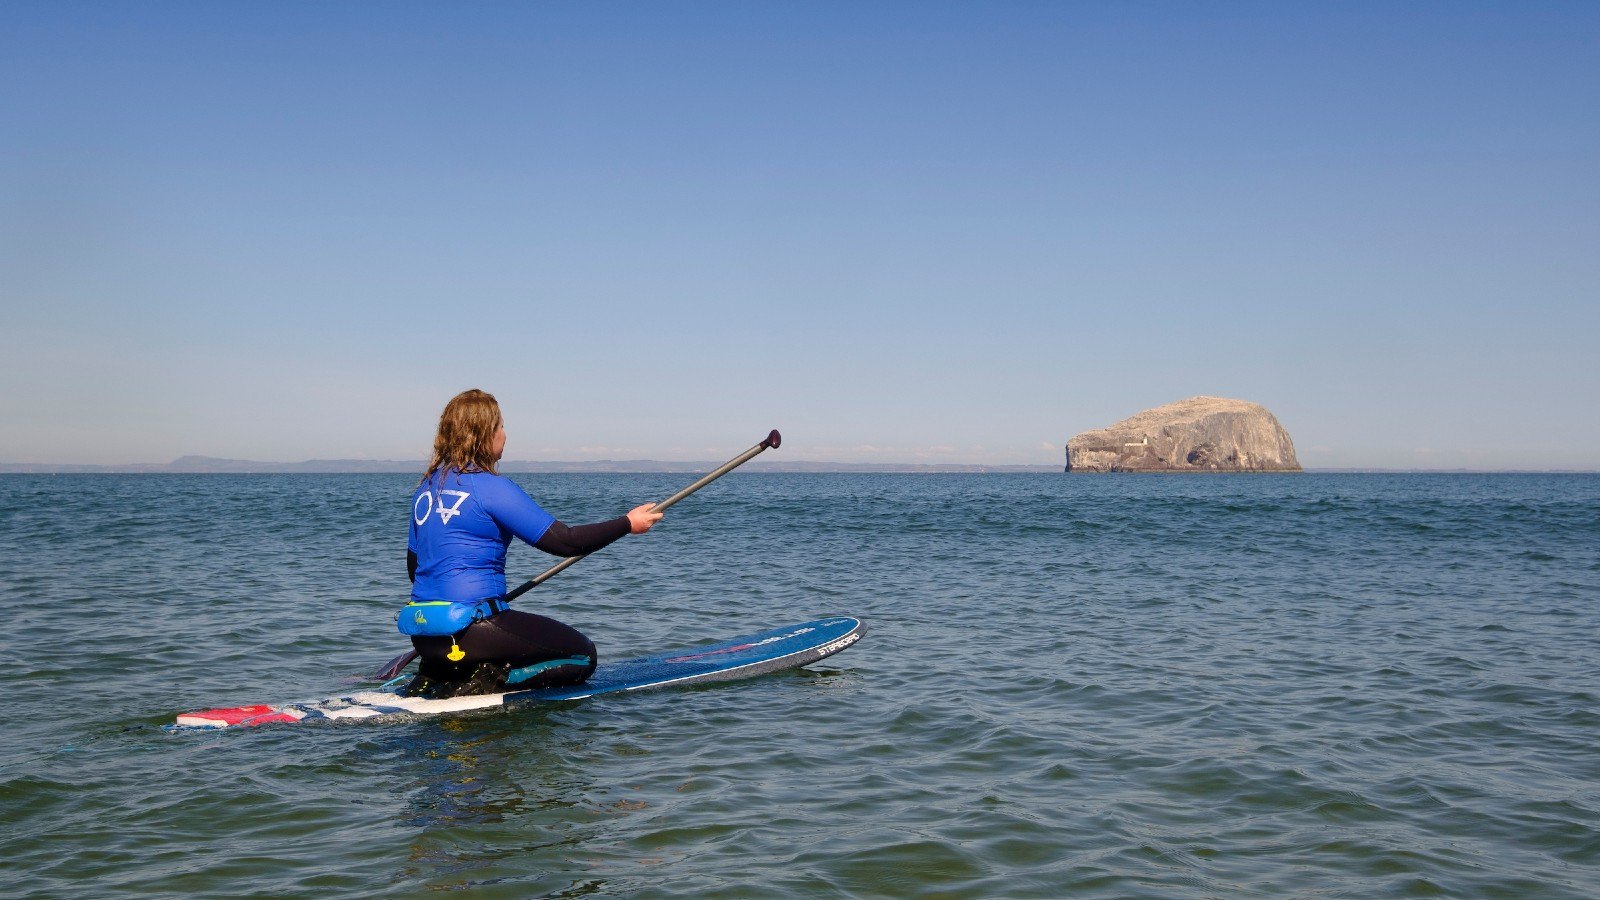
point(772, 440)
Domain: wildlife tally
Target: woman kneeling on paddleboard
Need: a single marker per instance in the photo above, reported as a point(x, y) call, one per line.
point(463, 517)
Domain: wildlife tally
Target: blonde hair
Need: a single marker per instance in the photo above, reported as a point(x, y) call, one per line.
point(465, 442)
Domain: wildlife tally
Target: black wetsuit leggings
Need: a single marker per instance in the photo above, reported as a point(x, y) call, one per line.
point(511, 650)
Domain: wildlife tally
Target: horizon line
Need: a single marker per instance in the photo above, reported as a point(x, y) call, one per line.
point(201, 465)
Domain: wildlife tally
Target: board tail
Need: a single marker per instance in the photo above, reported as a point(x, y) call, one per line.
point(237, 716)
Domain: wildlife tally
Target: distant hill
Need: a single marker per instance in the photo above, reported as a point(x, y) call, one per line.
point(215, 465)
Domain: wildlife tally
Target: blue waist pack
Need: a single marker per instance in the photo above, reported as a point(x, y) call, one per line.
point(441, 618)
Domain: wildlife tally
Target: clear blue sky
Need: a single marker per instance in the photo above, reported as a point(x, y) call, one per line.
point(897, 232)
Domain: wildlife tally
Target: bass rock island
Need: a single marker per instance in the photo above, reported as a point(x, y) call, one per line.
point(1201, 434)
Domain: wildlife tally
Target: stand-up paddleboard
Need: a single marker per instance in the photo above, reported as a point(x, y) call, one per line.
point(741, 657)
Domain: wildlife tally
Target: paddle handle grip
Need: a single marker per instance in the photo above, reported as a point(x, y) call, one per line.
point(772, 440)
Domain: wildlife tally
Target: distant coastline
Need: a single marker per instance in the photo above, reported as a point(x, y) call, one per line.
point(210, 465)
point(202, 465)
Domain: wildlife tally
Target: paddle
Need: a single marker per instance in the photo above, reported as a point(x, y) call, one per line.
point(393, 667)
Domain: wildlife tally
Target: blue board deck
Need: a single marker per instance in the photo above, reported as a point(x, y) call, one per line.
point(741, 657)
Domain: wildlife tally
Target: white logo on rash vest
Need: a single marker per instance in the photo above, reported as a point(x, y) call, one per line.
point(454, 509)
point(446, 513)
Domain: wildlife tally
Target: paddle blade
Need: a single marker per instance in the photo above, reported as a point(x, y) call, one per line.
point(393, 666)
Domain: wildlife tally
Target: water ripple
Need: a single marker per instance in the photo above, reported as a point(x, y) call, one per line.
point(1172, 687)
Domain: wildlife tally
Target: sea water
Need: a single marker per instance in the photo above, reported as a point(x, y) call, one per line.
point(1119, 686)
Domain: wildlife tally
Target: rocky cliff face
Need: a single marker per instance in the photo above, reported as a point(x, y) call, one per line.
point(1201, 434)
